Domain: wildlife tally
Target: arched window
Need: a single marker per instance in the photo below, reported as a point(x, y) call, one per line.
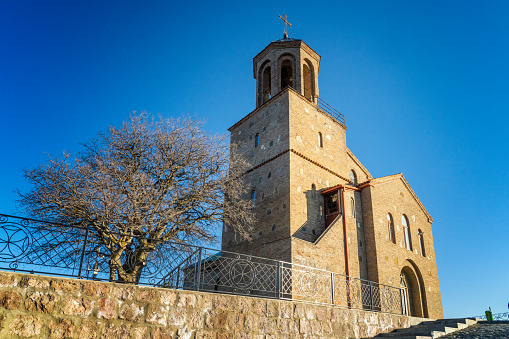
point(286, 74)
point(352, 207)
point(257, 139)
point(353, 177)
point(390, 224)
point(421, 243)
point(307, 72)
point(320, 139)
point(406, 232)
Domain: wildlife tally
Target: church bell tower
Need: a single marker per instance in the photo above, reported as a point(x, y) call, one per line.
point(316, 204)
point(286, 63)
point(296, 150)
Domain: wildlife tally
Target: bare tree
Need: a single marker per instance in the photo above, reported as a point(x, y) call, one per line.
point(146, 182)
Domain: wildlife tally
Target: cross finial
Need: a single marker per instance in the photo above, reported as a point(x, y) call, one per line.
point(285, 36)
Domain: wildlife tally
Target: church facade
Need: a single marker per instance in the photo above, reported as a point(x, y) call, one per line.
point(316, 204)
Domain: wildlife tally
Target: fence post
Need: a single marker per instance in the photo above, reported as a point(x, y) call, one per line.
point(278, 279)
point(371, 294)
point(402, 301)
point(348, 291)
point(198, 274)
point(83, 252)
point(332, 288)
point(178, 278)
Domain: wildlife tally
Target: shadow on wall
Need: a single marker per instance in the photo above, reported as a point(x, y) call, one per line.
point(314, 226)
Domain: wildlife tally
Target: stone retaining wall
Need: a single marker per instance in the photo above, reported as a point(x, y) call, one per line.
point(33, 306)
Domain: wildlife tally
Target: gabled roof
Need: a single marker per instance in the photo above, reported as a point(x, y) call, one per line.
point(354, 158)
point(390, 178)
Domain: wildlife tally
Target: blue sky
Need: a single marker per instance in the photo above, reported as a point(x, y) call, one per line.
point(424, 87)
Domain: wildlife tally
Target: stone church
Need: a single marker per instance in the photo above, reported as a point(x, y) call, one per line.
point(316, 204)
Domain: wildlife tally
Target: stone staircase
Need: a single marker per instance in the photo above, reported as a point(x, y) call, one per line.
point(430, 329)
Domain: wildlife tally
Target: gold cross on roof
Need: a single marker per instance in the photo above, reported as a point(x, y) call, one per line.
point(285, 36)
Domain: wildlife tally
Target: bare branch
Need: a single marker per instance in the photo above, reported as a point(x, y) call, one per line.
point(163, 179)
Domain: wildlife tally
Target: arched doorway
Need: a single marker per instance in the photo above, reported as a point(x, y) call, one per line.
point(410, 293)
point(406, 295)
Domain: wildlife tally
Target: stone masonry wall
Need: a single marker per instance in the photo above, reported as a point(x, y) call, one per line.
point(33, 306)
point(269, 179)
point(391, 195)
point(305, 123)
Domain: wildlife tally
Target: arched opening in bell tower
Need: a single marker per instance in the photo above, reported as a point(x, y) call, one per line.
point(286, 74)
point(307, 73)
point(264, 83)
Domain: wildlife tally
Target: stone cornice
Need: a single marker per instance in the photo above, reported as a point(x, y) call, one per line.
point(319, 165)
point(300, 155)
point(266, 162)
point(259, 108)
point(289, 89)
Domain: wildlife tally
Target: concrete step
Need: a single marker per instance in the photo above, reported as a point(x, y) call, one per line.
point(460, 326)
point(467, 321)
point(422, 328)
point(454, 325)
point(405, 337)
point(426, 334)
point(430, 329)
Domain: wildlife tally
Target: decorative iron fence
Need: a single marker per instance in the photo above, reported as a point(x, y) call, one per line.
point(35, 246)
point(496, 316)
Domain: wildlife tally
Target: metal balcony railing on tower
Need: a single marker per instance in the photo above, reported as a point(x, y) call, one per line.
point(325, 107)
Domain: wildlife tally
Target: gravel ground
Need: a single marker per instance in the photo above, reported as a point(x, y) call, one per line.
point(482, 330)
